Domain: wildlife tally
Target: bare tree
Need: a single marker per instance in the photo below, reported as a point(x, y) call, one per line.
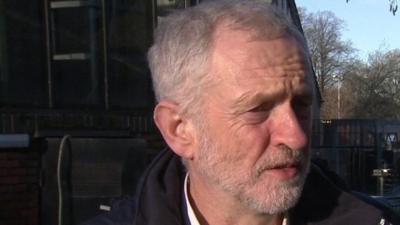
point(328, 50)
point(375, 86)
point(339, 99)
point(329, 53)
point(393, 6)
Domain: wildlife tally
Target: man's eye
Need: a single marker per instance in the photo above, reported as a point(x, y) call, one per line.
point(257, 114)
point(303, 109)
point(257, 109)
point(261, 108)
point(304, 102)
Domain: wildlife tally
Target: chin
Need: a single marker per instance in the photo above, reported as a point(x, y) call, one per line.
point(272, 195)
point(274, 200)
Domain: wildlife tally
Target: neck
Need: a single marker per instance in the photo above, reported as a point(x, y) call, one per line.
point(213, 206)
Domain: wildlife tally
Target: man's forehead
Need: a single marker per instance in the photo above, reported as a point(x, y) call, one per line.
point(236, 53)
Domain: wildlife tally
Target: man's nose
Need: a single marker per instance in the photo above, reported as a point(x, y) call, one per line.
point(290, 130)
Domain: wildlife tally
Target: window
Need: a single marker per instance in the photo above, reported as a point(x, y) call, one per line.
point(22, 59)
point(75, 54)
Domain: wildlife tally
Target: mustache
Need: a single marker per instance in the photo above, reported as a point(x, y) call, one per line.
point(283, 157)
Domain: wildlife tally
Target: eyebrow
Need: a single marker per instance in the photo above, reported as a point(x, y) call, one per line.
point(252, 99)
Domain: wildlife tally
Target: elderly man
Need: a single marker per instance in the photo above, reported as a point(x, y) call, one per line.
point(235, 96)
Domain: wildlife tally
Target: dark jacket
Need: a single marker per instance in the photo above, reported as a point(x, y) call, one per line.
point(159, 201)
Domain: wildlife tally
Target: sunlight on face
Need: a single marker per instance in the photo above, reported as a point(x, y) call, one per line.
point(254, 189)
point(254, 132)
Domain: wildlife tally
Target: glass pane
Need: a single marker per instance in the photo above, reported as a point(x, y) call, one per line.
point(130, 34)
point(75, 85)
point(22, 62)
point(165, 7)
point(77, 56)
point(72, 29)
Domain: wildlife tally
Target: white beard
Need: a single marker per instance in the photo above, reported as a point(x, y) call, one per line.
point(261, 194)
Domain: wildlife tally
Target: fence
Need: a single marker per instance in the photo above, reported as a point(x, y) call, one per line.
point(355, 148)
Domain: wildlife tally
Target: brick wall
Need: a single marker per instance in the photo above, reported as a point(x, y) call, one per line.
point(19, 187)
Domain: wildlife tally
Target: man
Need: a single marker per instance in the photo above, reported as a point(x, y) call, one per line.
point(235, 97)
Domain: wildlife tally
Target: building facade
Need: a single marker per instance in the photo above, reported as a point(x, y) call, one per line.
point(76, 104)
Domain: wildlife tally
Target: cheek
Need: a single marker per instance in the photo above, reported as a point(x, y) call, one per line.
point(241, 141)
point(253, 140)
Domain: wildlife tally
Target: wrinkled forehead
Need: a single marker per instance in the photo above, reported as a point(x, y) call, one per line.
point(238, 54)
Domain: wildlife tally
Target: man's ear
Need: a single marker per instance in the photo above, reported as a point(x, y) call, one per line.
point(176, 129)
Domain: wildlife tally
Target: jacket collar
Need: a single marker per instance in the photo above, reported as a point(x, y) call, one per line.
point(160, 198)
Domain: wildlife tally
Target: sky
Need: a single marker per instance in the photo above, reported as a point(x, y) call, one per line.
point(369, 24)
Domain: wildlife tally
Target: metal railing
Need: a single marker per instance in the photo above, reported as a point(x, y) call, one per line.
point(393, 202)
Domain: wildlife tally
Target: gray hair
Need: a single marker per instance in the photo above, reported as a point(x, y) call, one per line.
point(179, 57)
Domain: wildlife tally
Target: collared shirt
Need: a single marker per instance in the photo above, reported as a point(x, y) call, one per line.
point(192, 217)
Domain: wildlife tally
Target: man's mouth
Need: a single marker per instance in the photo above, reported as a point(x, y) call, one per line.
point(284, 171)
point(286, 165)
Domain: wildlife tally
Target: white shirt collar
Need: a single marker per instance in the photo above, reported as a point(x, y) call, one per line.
point(192, 217)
